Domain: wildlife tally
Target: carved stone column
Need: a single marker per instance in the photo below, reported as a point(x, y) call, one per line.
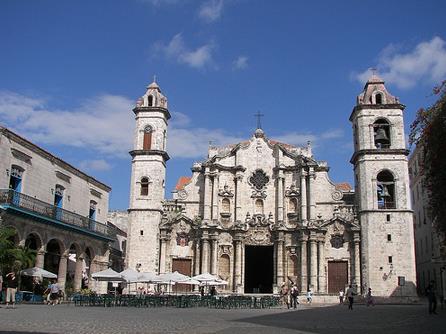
point(238, 197)
point(303, 196)
point(40, 259)
point(207, 196)
point(238, 264)
point(279, 260)
point(311, 195)
point(215, 186)
point(197, 258)
point(205, 256)
point(280, 194)
point(322, 277)
point(313, 263)
point(163, 251)
point(62, 272)
point(214, 256)
point(303, 263)
point(356, 241)
point(78, 272)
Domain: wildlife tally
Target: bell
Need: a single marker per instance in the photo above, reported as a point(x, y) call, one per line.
point(381, 136)
point(385, 192)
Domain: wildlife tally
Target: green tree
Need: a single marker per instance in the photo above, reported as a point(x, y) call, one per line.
point(428, 130)
point(13, 257)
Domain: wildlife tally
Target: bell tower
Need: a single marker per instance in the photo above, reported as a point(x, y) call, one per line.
point(149, 159)
point(382, 193)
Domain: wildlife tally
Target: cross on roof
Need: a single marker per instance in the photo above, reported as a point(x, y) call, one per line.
point(373, 69)
point(258, 115)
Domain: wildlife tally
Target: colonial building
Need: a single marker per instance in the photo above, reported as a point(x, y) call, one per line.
point(429, 243)
point(261, 213)
point(56, 209)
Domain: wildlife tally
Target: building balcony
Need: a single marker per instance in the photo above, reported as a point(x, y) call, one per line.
point(30, 206)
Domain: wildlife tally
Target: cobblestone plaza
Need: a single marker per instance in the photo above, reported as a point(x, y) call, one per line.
point(307, 319)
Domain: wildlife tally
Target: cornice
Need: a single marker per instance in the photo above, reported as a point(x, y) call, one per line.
point(381, 151)
point(150, 152)
point(166, 112)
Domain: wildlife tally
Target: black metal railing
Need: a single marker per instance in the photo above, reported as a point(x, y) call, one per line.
point(19, 200)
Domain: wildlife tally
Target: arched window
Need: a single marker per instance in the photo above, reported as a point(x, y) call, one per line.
point(147, 142)
point(150, 100)
point(386, 190)
point(378, 98)
point(144, 186)
point(381, 130)
point(225, 205)
point(15, 180)
point(292, 205)
point(259, 207)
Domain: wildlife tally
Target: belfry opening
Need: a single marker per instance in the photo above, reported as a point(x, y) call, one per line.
point(259, 269)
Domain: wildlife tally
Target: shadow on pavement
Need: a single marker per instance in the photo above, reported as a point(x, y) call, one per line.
point(338, 319)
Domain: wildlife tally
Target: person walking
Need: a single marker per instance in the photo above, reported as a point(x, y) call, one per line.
point(54, 293)
point(350, 293)
point(310, 296)
point(341, 296)
point(12, 283)
point(284, 295)
point(294, 294)
point(432, 298)
point(369, 298)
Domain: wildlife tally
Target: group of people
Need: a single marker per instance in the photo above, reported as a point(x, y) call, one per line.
point(290, 295)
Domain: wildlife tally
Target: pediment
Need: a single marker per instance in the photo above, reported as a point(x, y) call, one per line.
point(339, 223)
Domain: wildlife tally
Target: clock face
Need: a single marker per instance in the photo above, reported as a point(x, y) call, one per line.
point(182, 194)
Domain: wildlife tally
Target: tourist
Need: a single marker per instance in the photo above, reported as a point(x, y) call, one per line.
point(369, 298)
point(284, 295)
point(341, 296)
point(350, 293)
point(54, 293)
point(11, 281)
point(202, 291)
point(309, 296)
point(213, 291)
point(432, 298)
point(294, 293)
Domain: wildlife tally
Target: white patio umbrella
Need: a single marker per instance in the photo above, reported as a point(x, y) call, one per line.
point(175, 277)
point(147, 277)
point(108, 275)
point(130, 275)
point(209, 279)
point(37, 272)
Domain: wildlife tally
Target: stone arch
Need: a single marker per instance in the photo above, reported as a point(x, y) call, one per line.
point(34, 241)
point(54, 250)
point(382, 132)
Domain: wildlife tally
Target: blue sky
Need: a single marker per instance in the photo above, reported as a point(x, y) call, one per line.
point(70, 72)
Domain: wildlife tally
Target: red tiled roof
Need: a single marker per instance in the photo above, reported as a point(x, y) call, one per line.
point(182, 182)
point(343, 186)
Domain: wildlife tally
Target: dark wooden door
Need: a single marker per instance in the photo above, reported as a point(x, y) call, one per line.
point(337, 276)
point(183, 266)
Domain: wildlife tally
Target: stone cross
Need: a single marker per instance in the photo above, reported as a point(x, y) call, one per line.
point(258, 115)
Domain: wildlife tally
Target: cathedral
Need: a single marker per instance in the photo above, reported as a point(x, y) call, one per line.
point(262, 213)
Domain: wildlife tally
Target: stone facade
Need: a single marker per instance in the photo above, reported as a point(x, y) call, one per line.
point(429, 243)
point(262, 213)
point(55, 208)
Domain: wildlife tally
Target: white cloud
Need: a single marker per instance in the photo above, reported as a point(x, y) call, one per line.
point(197, 58)
point(211, 10)
point(426, 63)
point(240, 63)
point(96, 165)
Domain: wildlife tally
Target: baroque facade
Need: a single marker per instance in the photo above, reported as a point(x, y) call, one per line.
point(56, 210)
point(262, 213)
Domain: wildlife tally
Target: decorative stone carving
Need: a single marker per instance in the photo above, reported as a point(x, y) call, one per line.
point(258, 220)
point(182, 194)
point(259, 179)
point(258, 194)
point(258, 236)
point(182, 239)
point(337, 241)
point(336, 195)
point(292, 191)
point(226, 192)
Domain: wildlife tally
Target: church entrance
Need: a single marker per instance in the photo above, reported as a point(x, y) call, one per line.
point(259, 269)
point(337, 276)
point(183, 266)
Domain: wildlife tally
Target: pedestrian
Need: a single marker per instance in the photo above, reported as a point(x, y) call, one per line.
point(294, 294)
point(369, 298)
point(11, 281)
point(350, 293)
point(202, 291)
point(309, 296)
point(341, 296)
point(1, 286)
point(54, 293)
point(213, 291)
point(431, 297)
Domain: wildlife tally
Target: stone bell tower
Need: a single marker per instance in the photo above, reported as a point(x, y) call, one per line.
point(382, 193)
point(149, 158)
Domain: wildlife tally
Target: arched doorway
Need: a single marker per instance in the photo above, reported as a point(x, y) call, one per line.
point(52, 256)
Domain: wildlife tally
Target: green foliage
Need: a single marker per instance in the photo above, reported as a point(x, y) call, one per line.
point(428, 131)
point(12, 257)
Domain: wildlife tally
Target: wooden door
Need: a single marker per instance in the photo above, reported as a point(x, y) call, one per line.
point(337, 276)
point(183, 266)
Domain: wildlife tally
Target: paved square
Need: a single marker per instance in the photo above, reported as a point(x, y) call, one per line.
point(331, 319)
